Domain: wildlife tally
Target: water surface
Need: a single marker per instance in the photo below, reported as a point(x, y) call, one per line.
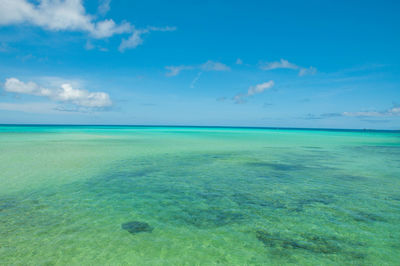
point(198, 196)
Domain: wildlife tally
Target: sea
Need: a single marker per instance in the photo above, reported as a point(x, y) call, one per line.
point(154, 195)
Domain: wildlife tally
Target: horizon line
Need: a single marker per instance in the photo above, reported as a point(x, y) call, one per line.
point(214, 126)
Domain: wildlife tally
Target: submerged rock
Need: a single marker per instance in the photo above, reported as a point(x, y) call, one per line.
point(135, 227)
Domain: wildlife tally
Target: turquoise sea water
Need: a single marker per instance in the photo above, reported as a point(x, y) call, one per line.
point(95, 195)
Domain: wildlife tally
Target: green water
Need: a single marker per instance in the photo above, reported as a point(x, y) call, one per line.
point(198, 196)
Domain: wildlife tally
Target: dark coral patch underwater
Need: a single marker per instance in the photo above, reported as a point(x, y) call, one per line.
point(135, 227)
point(310, 243)
point(278, 166)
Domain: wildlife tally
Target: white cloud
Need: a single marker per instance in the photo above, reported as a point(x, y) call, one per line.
point(281, 64)
point(66, 93)
point(259, 88)
point(82, 97)
point(207, 66)
point(285, 64)
point(55, 15)
point(395, 111)
point(49, 14)
point(17, 86)
point(70, 15)
point(108, 28)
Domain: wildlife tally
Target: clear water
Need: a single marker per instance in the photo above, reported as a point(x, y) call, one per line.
point(198, 196)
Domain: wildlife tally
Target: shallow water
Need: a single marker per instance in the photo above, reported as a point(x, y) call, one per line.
point(197, 196)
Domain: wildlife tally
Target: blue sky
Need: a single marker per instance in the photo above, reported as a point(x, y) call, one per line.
point(330, 64)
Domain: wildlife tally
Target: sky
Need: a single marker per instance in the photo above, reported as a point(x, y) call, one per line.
point(309, 64)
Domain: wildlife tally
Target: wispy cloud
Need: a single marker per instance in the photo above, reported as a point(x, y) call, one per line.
point(322, 116)
point(78, 109)
point(280, 64)
point(89, 45)
point(46, 108)
point(394, 111)
point(221, 99)
point(104, 7)
point(307, 71)
point(65, 93)
point(70, 15)
point(194, 81)
point(136, 38)
point(175, 70)
point(362, 68)
point(207, 66)
point(259, 88)
point(133, 41)
point(239, 61)
point(35, 107)
point(214, 66)
point(285, 64)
